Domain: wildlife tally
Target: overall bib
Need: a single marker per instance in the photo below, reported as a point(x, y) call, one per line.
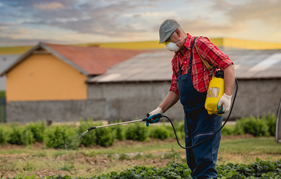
point(199, 125)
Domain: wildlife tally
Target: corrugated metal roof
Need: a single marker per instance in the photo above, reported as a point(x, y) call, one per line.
point(249, 64)
point(5, 61)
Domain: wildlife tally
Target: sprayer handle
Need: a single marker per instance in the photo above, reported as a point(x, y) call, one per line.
point(154, 117)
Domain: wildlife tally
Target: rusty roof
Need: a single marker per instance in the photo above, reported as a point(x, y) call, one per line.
point(88, 60)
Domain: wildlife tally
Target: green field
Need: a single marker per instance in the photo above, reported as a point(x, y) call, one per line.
point(90, 161)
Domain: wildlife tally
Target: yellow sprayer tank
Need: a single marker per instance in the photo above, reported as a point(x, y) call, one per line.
point(214, 93)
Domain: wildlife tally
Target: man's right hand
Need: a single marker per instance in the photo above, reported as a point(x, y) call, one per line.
point(152, 116)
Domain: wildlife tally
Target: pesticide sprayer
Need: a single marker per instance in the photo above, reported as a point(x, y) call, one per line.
point(214, 93)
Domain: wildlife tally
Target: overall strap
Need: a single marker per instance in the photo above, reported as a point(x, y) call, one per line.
point(190, 59)
point(209, 67)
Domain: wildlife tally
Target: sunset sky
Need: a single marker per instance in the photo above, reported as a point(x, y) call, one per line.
point(26, 22)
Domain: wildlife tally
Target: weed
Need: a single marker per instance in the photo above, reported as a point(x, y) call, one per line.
point(173, 154)
point(66, 167)
point(138, 156)
point(148, 155)
point(28, 166)
point(124, 157)
point(110, 156)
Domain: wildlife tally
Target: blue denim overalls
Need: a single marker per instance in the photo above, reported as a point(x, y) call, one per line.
point(199, 125)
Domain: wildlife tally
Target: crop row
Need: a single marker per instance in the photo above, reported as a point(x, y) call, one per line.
point(69, 137)
point(256, 170)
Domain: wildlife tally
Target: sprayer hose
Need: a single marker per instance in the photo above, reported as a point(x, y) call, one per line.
point(236, 82)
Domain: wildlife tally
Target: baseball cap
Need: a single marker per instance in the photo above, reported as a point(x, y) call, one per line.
point(166, 29)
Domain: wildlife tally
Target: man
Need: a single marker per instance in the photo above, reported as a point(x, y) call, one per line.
point(190, 81)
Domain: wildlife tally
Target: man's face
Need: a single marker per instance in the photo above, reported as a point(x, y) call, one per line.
point(176, 37)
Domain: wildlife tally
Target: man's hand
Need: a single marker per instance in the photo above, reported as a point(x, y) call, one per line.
point(153, 114)
point(225, 102)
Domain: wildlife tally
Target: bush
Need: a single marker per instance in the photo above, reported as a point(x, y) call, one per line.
point(15, 135)
point(105, 136)
point(159, 132)
point(179, 127)
point(64, 137)
point(90, 137)
point(27, 136)
point(227, 130)
point(120, 131)
point(37, 130)
point(270, 120)
point(136, 132)
point(4, 134)
point(251, 125)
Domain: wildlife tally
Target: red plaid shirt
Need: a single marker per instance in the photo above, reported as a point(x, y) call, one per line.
point(200, 75)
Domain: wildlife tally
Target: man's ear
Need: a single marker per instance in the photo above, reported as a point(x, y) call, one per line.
point(178, 32)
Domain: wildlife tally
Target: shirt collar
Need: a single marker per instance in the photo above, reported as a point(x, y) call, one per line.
point(187, 43)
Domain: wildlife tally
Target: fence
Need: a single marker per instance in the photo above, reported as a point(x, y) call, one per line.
point(2, 109)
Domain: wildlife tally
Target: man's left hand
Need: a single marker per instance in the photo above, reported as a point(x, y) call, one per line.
point(225, 102)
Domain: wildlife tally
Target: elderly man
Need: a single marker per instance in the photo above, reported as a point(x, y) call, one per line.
point(190, 81)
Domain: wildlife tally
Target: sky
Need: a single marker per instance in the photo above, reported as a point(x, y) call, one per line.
point(27, 22)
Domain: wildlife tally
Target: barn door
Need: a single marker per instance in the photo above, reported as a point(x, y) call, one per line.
point(278, 125)
point(2, 109)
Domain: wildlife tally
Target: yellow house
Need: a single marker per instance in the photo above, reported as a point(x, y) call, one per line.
point(58, 72)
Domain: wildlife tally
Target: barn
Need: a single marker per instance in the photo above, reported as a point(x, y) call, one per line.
point(136, 86)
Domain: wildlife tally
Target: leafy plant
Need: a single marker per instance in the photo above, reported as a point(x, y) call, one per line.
point(159, 132)
point(120, 131)
point(270, 120)
point(4, 135)
point(27, 136)
point(105, 136)
point(251, 125)
point(227, 130)
point(136, 132)
point(90, 137)
point(15, 135)
point(38, 130)
point(63, 137)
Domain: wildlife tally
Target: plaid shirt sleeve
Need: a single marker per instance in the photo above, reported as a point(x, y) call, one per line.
point(174, 86)
point(212, 54)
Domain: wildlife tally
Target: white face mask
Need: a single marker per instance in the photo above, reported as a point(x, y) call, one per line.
point(173, 46)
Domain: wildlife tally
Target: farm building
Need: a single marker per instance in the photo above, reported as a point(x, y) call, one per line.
point(48, 82)
point(65, 83)
point(138, 85)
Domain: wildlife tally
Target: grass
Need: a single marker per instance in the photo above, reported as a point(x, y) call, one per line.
point(251, 146)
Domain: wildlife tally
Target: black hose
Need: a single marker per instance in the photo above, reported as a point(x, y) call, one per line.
point(236, 82)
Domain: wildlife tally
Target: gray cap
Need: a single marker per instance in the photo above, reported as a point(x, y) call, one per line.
point(166, 29)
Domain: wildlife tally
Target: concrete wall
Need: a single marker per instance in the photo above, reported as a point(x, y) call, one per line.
point(257, 97)
point(129, 100)
point(57, 111)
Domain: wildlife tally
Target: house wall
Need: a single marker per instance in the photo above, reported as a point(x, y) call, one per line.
point(44, 77)
point(129, 100)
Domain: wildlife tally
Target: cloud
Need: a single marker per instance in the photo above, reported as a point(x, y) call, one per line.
point(49, 6)
point(267, 11)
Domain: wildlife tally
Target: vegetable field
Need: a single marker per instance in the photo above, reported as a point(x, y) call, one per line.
point(133, 151)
